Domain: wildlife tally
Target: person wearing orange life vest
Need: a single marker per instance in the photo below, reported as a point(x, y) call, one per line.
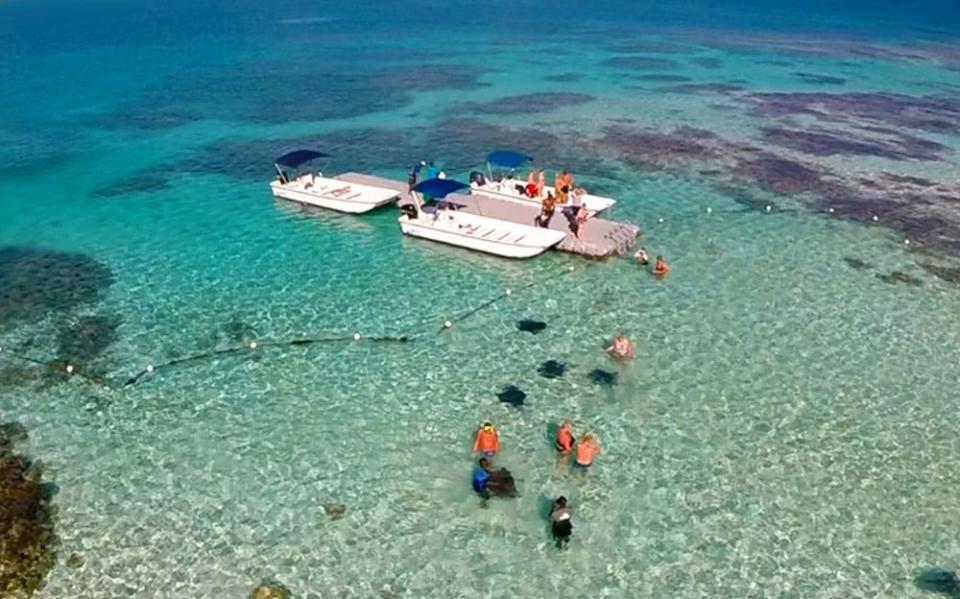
point(660, 268)
point(565, 439)
point(487, 440)
point(587, 449)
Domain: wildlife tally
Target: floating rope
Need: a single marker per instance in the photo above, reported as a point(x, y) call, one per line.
point(70, 370)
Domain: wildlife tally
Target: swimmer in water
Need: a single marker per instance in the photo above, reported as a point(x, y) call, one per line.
point(661, 268)
point(561, 524)
point(587, 449)
point(621, 347)
point(481, 475)
point(487, 440)
point(565, 439)
point(642, 257)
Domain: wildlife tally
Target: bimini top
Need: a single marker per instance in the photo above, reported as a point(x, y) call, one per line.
point(438, 188)
point(508, 158)
point(297, 157)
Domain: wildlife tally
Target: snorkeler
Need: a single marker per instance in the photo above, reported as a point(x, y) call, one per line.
point(565, 439)
point(487, 440)
point(621, 347)
point(661, 268)
point(642, 257)
point(561, 524)
point(481, 474)
point(587, 449)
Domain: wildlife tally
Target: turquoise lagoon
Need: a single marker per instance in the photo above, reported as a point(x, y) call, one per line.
point(787, 429)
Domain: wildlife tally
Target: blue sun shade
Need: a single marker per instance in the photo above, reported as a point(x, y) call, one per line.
point(438, 188)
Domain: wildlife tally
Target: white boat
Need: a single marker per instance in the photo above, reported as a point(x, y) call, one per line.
point(316, 190)
point(444, 223)
point(510, 188)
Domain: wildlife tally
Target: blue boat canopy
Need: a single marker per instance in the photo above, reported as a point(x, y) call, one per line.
point(508, 158)
point(438, 188)
point(297, 157)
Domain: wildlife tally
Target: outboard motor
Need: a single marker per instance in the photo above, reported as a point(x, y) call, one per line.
point(478, 178)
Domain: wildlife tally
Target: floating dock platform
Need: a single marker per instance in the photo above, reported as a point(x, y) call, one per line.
point(601, 237)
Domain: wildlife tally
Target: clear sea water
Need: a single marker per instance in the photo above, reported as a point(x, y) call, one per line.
point(786, 430)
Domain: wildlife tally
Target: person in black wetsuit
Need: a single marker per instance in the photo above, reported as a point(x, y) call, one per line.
point(561, 523)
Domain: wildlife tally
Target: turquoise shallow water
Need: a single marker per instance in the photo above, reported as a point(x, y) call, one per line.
point(784, 431)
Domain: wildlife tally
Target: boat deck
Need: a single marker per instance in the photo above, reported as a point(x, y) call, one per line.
point(601, 237)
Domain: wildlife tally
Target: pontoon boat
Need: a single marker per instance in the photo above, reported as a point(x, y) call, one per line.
point(441, 220)
point(508, 186)
point(311, 188)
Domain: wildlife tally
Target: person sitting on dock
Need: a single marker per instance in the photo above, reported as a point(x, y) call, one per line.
point(660, 267)
point(541, 182)
point(642, 257)
point(547, 208)
point(621, 347)
point(581, 220)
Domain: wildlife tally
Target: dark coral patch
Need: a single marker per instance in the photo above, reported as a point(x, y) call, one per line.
point(707, 62)
point(820, 142)
point(141, 183)
point(564, 77)
point(926, 113)
point(721, 89)
point(817, 79)
point(949, 274)
point(641, 63)
point(511, 394)
point(781, 175)
point(27, 540)
point(528, 103)
point(35, 282)
point(654, 150)
point(661, 78)
point(87, 338)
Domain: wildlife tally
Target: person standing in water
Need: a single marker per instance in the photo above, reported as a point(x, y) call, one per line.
point(642, 257)
point(587, 449)
point(660, 267)
point(561, 523)
point(565, 439)
point(481, 475)
point(487, 440)
point(621, 347)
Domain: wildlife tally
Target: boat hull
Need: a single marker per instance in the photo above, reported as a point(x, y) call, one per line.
point(349, 206)
point(506, 190)
point(507, 240)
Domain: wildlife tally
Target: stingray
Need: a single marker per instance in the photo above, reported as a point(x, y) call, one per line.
point(512, 395)
point(501, 483)
point(603, 377)
point(552, 369)
point(531, 326)
point(938, 580)
point(856, 263)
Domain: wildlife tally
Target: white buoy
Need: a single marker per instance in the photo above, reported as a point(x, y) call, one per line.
point(508, 292)
point(830, 211)
point(447, 324)
point(149, 367)
point(253, 345)
point(906, 242)
point(709, 210)
point(69, 368)
point(660, 220)
point(1, 349)
point(875, 218)
point(769, 208)
point(356, 336)
point(572, 268)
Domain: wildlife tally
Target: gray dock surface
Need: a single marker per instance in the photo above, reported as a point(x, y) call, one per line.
point(601, 237)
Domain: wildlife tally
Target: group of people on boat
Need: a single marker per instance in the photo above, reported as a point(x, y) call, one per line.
point(498, 482)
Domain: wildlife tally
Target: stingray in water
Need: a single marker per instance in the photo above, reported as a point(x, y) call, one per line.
point(501, 483)
point(531, 326)
point(603, 377)
point(552, 369)
point(938, 580)
point(512, 395)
